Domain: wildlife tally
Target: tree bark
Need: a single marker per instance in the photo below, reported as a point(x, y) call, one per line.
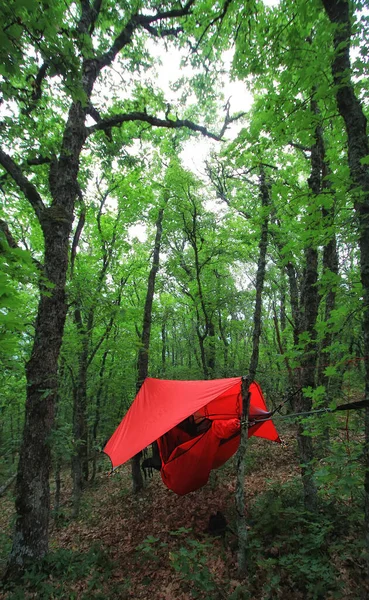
point(30, 540)
point(240, 480)
point(330, 271)
point(143, 353)
point(97, 412)
point(309, 313)
point(242, 449)
point(351, 110)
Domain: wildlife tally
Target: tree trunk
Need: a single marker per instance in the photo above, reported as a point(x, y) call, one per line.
point(201, 338)
point(57, 489)
point(242, 449)
point(351, 110)
point(309, 313)
point(97, 413)
point(80, 432)
point(164, 345)
point(240, 480)
point(211, 350)
point(31, 537)
point(143, 353)
point(225, 341)
point(330, 271)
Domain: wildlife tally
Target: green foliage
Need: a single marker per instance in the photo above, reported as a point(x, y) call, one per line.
point(190, 562)
point(289, 547)
point(55, 575)
point(147, 549)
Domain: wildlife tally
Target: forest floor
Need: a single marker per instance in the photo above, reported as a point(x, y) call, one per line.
point(155, 545)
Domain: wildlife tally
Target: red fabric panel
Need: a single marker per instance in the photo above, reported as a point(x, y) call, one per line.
point(160, 405)
point(189, 465)
point(191, 470)
point(225, 451)
point(224, 429)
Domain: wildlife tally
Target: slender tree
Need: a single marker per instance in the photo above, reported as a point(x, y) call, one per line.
point(143, 352)
point(264, 187)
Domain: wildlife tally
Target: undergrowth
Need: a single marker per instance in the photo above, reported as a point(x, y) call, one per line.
point(292, 550)
point(59, 573)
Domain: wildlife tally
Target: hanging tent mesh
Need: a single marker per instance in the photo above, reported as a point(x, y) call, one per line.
point(196, 425)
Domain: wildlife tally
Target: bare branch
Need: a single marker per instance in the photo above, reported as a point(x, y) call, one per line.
point(84, 21)
point(118, 120)
point(23, 183)
point(94, 113)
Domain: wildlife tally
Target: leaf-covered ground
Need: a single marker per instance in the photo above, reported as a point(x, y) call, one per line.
point(155, 546)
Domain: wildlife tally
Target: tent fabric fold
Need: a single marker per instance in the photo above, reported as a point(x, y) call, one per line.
point(161, 411)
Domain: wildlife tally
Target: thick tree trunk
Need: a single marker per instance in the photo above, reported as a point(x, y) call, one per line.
point(31, 538)
point(143, 353)
point(80, 432)
point(351, 110)
point(242, 450)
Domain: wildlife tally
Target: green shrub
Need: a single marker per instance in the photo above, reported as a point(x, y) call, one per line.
point(54, 576)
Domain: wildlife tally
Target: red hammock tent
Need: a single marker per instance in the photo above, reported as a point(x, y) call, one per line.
point(196, 425)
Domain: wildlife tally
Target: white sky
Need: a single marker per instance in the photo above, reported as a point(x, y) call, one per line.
point(197, 149)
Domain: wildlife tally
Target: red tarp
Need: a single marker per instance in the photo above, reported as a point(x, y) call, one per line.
point(160, 405)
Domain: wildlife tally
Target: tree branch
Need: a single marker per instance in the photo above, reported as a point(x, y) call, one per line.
point(76, 238)
point(23, 183)
point(118, 120)
point(301, 147)
point(219, 17)
point(39, 160)
point(139, 20)
point(8, 236)
point(13, 244)
point(160, 33)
